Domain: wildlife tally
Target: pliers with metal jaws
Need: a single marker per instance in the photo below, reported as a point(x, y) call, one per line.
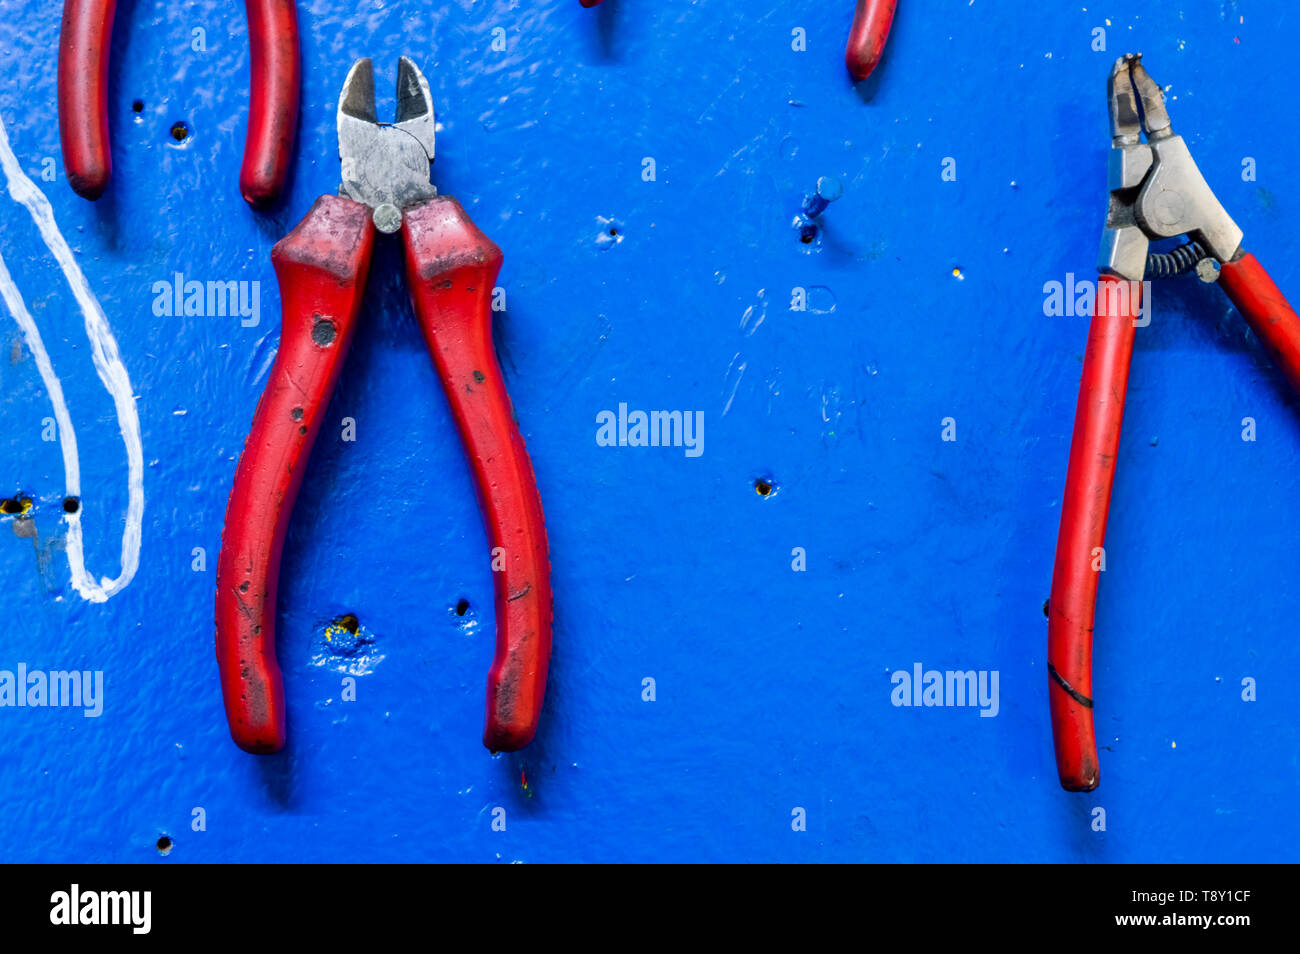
point(84, 41)
point(321, 265)
point(1156, 192)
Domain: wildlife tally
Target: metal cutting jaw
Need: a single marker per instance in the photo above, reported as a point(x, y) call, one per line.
point(1156, 190)
point(386, 165)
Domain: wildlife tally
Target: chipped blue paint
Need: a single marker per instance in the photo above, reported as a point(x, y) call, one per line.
point(772, 685)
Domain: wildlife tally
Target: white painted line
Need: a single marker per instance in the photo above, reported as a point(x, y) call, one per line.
point(109, 367)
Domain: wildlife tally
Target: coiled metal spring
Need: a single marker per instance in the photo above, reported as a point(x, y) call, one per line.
point(1175, 262)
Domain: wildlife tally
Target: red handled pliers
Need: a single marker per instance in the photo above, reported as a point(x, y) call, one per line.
point(1156, 192)
point(321, 265)
point(871, 22)
point(84, 41)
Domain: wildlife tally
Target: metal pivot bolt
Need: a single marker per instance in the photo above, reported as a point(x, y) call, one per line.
point(387, 217)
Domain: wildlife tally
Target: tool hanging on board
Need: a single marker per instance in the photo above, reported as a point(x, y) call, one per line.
point(451, 269)
point(85, 39)
point(872, 20)
point(1156, 192)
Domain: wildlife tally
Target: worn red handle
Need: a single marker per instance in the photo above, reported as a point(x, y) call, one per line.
point(84, 41)
point(321, 266)
point(1267, 312)
point(273, 98)
point(871, 22)
point(1088, 482)
point(451, 267)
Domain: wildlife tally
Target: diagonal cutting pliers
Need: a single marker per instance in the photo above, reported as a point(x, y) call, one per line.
point(321, 265)
point(1156, 193)
point(84, 41)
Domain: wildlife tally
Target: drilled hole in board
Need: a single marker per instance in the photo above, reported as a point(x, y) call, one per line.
point(349, 622)
point(164, 845)
point(71, 504)
point(15, 505)
point(180, 131)
point(763, 487)
point(137, 106)
point(462, 607)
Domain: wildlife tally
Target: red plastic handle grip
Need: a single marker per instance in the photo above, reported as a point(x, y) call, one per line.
point(871, 22)
point(451, 267)
point(84, 40)
point(273, 98)
point(321, 266)
point(1267, 312)
point(1088, 482)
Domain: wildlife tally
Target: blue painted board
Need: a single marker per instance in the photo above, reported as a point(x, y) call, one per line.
point(772, 686)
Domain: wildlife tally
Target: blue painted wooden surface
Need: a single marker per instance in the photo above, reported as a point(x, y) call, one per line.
point(773, 686)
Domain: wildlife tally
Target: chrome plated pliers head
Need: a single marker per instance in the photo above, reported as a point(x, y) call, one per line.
point(1156, 190)
point(386, 165)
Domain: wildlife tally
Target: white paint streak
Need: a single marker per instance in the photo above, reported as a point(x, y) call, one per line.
point(109, 367)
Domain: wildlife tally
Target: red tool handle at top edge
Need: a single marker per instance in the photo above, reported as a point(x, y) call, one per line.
point(1084, 506)
point(84, 40)
point(273, 98)
point(1266, 310)
point(451, 267)
point(321, 266)
point(871, 22)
